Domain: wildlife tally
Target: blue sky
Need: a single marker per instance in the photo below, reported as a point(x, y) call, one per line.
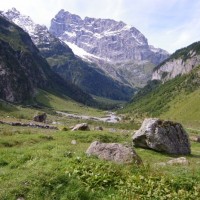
point(170, 24)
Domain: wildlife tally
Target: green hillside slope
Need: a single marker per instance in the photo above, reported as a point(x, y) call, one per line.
point(23, 70)
point(177, 99)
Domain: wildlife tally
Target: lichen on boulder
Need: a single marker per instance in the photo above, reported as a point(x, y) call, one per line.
point(163, 136)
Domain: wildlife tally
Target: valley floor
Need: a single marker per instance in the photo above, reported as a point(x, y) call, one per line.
point(44, 164)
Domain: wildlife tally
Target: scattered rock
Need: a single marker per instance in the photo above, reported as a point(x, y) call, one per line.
point(82, 127)
point(175, 161)
point(40, 118)
point(54, 123)
point(195, 138)
point(29, 124)
point(178, 161)
point(114, 152)
point(73, 142)
point(98, 128)
point(162, 136)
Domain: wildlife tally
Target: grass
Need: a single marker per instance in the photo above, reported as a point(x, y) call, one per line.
point(185, 109)
point(177, 99)
point(43, 164)
point(64, 104)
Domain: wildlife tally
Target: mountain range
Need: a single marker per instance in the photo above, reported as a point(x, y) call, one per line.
point(23, 69)
point(101, 56)
point(120, 50)
point(70, 67)
point(127, 65)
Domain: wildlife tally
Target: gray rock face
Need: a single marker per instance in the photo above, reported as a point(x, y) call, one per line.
point(179, 63)
point(163, 136)
point(72, 68)
point(175, 67)
point(105, 38)
point(113, 152)
point(37, 32)
point(120, 50)
point(81, 127)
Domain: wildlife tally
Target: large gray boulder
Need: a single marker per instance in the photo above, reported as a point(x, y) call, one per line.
point(113, 152)
point(163, 136)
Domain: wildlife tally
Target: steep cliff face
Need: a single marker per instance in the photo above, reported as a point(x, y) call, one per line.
point(179, 63)
point(105, 38)
point(67, 65)
point(119, 50)
point(23, 69)
point(19, 72)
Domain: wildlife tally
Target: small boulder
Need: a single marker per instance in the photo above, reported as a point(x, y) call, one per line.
point(195, 138)
point(113, 152)
point(40, 118)
point(98, 128)
point(178, 161)
point(73, 142)
point(81, 127)
point(162, 136)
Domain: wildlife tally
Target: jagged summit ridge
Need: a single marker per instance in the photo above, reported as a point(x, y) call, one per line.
point(105, 38)
point(66, 64)
point(37, 32)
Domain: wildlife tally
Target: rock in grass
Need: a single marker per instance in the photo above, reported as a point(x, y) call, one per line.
point(40, 118)
point(73, 142)
point(113, 152)
point(162, 136)
point(81, 127)
point(98, 128)
point(175, 161)
point(195, 138)
point(178, 161)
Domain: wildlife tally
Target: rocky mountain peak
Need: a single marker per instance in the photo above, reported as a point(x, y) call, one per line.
point(37, 32)
point(105, 38)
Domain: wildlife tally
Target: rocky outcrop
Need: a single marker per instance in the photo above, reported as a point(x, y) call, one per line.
point(121, 51)
point(175, 67)
point(113, 152)
point(105, 38)
point(81, 127)
point(163, 136)
point(179, 63)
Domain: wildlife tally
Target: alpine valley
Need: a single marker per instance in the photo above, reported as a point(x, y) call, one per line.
point(90, 111)
point(111, 59)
